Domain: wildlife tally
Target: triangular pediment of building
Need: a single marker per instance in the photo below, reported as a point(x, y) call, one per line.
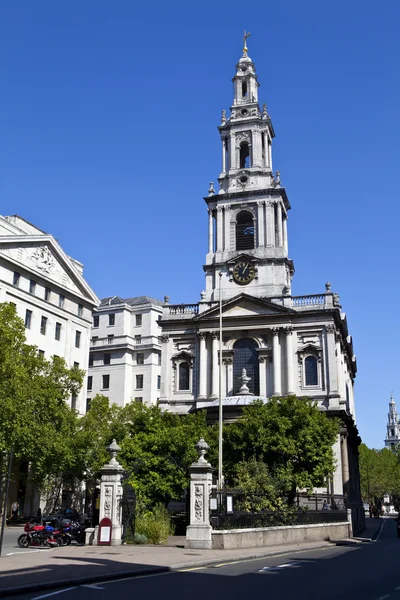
point(241, 257)
point(43, 256)
point(244, 306)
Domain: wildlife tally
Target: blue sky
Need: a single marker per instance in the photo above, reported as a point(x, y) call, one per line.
point(108, 120)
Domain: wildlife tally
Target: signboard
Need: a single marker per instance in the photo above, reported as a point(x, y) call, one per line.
point(104, 533)
point(213, 504)
point(229, 504)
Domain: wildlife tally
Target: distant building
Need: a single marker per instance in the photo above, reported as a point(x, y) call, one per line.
point(393, 425)
point(49, 292)
point(125, 351)
point(273, 343)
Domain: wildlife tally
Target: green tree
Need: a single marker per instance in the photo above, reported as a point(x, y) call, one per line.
point(290, 435)
point(379, 473)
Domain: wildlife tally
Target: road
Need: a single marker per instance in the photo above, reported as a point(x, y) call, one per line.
point(11, 534)
point(368, 571)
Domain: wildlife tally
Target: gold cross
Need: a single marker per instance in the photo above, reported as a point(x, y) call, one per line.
point(246, 35)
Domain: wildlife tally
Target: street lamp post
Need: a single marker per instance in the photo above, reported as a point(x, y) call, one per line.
point(220, 415)
point(3, 522)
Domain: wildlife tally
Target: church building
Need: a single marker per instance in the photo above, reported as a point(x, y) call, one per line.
point(393, 425)
point(273, 343)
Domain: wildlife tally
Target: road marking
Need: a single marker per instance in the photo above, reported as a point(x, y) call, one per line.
point(133, 576)
point(283, 566)
point(54, 593)
point(264, 556)
point(22, 552)
point(378, 536)
point(93, 587)
point(192, 569)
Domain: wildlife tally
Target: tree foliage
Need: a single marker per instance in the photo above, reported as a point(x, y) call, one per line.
point(290, 435)
point(379, 473)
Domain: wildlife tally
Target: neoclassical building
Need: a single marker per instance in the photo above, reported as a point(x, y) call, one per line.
point(287, 344)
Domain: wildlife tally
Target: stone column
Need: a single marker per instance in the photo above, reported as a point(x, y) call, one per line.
point(198, 533)
point(219, 229)
point(270, 224)
point(331, 360)
point(285, 237)
point(229, 367)
point(276, 361)
point(111, 494)
point(280, 229)
point(260, 222)
point(270, 155)
point(263, 375)
point(345, 465)
point(214, 366)
point(223, 156)
point(202, 366)
point(210, 232)
point(227, 219)
point(165, 368)
point(289, 360)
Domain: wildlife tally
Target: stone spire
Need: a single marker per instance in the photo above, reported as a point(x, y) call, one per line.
point(393, 424)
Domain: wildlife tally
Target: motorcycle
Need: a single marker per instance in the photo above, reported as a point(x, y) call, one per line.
point(39, 535)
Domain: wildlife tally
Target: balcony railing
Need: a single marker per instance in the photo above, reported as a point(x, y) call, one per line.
point(125, 340)
point(310, 300)
point(183, 309)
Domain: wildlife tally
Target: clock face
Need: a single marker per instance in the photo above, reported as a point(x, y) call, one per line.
point(243, 272)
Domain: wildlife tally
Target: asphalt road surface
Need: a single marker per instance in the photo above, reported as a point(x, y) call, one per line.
point(11, 534)
point(368, 571)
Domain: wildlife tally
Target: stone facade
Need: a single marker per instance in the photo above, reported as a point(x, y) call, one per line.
point(49, 292)
point(287, 344)
point(125, 350)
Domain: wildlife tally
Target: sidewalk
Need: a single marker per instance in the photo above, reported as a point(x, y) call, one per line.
point(77, 565)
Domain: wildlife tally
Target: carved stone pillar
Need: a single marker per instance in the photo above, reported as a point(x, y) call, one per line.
point(280, 228)
point(289, 360)
point(198, 533)
point(260, 223)
point(214, 366)
point(202, 365)
point(210, 231)
point(276, 361)
point(111, 494)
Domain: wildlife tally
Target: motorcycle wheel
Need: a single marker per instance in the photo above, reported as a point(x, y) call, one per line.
point(66, 540)
point(23, 541)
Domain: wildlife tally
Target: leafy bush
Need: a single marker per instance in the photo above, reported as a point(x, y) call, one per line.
point(156, 525)
point(140, 538)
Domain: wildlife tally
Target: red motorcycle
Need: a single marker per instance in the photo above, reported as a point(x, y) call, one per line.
point(40, 536)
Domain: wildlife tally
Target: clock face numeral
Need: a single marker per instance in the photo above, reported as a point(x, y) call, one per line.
point(243, 272)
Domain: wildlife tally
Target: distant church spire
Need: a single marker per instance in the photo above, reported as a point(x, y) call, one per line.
point(393, 424)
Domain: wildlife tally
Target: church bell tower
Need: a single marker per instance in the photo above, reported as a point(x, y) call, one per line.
point(247, 232)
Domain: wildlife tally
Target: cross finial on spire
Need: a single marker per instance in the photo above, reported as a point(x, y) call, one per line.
point(246, 35)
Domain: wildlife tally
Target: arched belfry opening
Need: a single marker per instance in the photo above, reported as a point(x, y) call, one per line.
point(244, 231)
point(246, 357)
point(244, 160)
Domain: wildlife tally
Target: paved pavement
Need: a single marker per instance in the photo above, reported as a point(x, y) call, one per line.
point(43, 569)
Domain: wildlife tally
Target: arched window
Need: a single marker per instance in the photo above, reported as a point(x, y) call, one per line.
point(244, 89)
point(244, 231)
point(246, 357)
point(244, 155)
point(184, 370)
point(311, 370)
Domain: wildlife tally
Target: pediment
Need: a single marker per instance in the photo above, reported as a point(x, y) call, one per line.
point(43, 255)
point(241, 257)
point(245, 306)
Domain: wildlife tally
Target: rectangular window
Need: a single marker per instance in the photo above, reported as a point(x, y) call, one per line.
point(159, 359)
point(89, 383)
point(138, 320)
point(90, 360)
point(76, 365)
point(47, 294)
point(77, 339)
point(107, 358)
point(139, 382)
point(110, 339)
point(140, 358)
point(32, 286)
point(139, 399)
point(61, 300)
point(16, 278)
point(88, 402)
point(80, 310)
point(57, 333)
point(73, 401)
point(158, 381)
point(41, 352)
point(106, 382)
point(28, 318)
point(43, 325)
point(96, 319)
point(138, 339)
point(111, 319)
